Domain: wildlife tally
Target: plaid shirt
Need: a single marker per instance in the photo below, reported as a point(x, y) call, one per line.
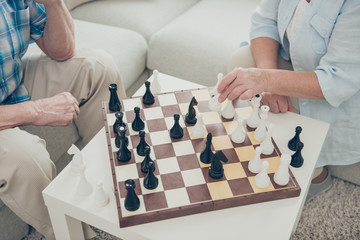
point(20, 22)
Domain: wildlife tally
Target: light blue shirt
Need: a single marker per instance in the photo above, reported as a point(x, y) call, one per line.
point(326, 40)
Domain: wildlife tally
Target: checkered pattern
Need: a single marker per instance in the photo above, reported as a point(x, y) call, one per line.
point(185, 186)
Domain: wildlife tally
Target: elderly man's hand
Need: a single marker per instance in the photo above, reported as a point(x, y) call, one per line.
point(277, 103)
point(59, 110)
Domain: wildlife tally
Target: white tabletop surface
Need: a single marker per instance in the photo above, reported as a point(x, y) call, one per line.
point(269, 220)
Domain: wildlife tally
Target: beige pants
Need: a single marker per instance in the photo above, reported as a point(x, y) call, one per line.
point(243, 58)
point(25, 165)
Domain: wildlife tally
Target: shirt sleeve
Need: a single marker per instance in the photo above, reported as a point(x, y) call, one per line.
point(338, 71)
point(37, 19)
point(264, 20)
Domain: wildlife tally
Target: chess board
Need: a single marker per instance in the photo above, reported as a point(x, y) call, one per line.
point(185, 186)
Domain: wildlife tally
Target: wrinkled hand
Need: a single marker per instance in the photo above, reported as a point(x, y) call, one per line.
point(242, 82)
point(277, 103)
point(59, 110)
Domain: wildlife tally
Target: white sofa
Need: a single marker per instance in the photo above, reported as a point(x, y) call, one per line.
point(190, 39)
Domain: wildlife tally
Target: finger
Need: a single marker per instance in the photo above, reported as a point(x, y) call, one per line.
point(283, 104)
point(290, 107)
point(249, 93)
point(226, 81)
point(274, 106)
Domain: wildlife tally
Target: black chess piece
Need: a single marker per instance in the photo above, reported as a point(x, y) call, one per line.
point(190, 117)
point(145, 163)
point(293, 143)
point(114, 102)
point(132, 202)
point(151, 181)
point(121, 136)
point(148, 98)
point(296, 159)
point(216, 169)
point(124, 154)
point(119, 121)
point(176, 131)
point(137, 124)
point(207, 153)
point(140, 149)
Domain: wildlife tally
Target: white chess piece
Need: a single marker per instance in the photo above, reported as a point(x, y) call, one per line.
point(267, 145)
point(260, 132)
point(281, 176)
point(214, 104)
point(83, 188)
point(238, 136)
point(214, 90)
point(228, 112)
point(254, 120)
point(155, 86)
point(101, 198)
point(77, 163)
point(262, 179)
point(255, 164)
point(198, 130)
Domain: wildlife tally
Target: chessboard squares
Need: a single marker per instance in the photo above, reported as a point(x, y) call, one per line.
point(189, 129)
point(208, 179)
point(211, 118)
point(231, 155)
point(184, 107)
point(220, 190)
point(145, 191)
point(153, 113)
point(170, 110)
point(230, 127)
point(156, 125)
point(115, 148)
point(168, 165)
point(172, 181)
point(155, 201)
point(164, 151)
point(291, 183)
point(177, 198)
point(199, 144)
point(183, 148)
point(183, 97)
point(260, 190)
point(167, 99)
point(123, 191)
point(126, 172)
point(130, 103)
point(193, 177)
point(135, 140)
point(245, 153)
point(274, 164)
point(155, 104)
point(234, 171)
point(201, 95)
point(203, 106)
point(161, 137)
point(139, 159)
point(117, 163)
point(252, 139)
point(202, 165)
point(240, 186)
point(188, 162)
point(222, 142)
point(198, 193)
point(216, 129)
point(126, 213)
point(170, 122)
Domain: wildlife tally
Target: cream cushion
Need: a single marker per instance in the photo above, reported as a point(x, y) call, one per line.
point(74, 3)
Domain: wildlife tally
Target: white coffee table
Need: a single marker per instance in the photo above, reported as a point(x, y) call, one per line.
point(269, 220)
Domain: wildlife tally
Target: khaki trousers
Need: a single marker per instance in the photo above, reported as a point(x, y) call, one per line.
point(25, 165)
point(243, 58)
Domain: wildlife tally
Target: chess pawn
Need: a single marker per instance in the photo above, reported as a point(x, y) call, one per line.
point(254, 120)
point(155, 85)
point(120, 136)
point(137, 124)
point(148, 98)
point(281, 176)
point(124, 154)
point(101, 198)
point(267, 145)
point(238, 136)
point(296, 159)
point(228, 112)
point(214, 104)
point(219, 78)
point(119, 121)
point(151, 181)
point(262, 179)
point(77, 163)
point(140, 149)
point(114, 102)
point(176, 131)
point(132, 202)
point(206, 154)
point(293, 142)
point(198, 130)
point(254, 164)
point(145, 163)
point(83, 188)
point(260, 132)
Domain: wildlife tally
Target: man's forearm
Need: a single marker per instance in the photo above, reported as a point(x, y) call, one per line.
point(16, 115)
point(265, 52)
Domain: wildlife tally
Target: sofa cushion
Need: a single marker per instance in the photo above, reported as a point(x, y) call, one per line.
point(144, 17)
point(74, 3)
point(198, 45)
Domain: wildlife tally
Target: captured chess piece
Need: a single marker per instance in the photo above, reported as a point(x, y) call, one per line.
point(148, 98)
point(155, 86)
point(151, 181)
point(206, 154)
point(114, 102)
point(296, 159)
point(145, 163)
point(120, 136)
point(132, 202)
point(77, 163)
point(101, 198)
point(216, 169)
point(83, 188)
point(292, 145)
point(138, 124)
point(176, 131)
point(124, 154)
point(119, 121)
point(190, 116)
point(140, 149)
